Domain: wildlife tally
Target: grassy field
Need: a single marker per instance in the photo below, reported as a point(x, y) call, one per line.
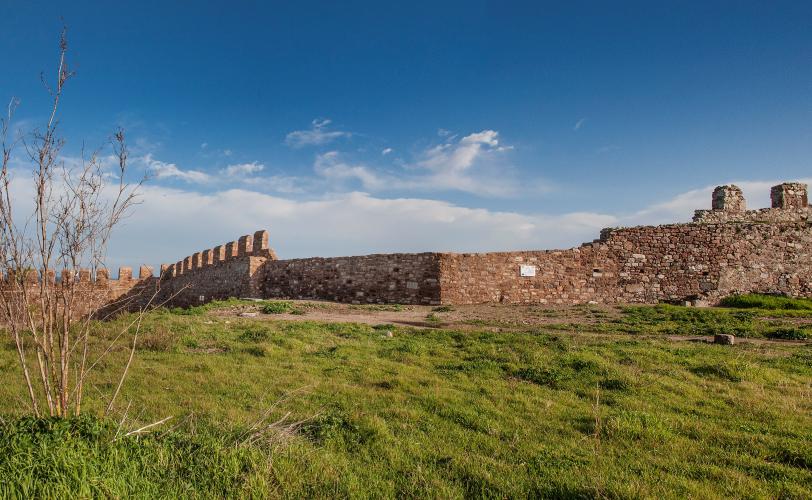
point(615, 408)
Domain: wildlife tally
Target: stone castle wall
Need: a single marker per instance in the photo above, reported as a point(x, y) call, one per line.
point(391, 278)
point(725, 250)
point(646, 264)
point(91, 292)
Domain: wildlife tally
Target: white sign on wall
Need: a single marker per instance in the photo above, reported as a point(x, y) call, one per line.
point(526, 270)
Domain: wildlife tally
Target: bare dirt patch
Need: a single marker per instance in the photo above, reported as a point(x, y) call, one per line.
point(581, 319)
point(480, 316)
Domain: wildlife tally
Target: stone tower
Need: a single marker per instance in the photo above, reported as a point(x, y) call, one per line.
point(729, 199)
point(789, 195)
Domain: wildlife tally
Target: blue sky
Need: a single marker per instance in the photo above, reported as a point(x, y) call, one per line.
point(356, 127)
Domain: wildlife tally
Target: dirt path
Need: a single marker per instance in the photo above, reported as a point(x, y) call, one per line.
point(489, 317)
point(496, 316)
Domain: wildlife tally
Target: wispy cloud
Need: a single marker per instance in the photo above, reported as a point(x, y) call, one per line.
point(579, 124)
point(454, 165)
point(330, 226)
point(164, 170)
point(243, 169)
point(386, 151)
point(332, 167)
point(458, 165)
point(352, 223)
point(317, 135)
point(232, 174)
point(680, 208)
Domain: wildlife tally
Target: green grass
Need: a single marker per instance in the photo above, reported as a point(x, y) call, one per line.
point(768, 302)
point(215, 304)
point(667, 319)
point(84, 458)
point(433, 319)
point(277, 307)
point(785, 333)
point(429, 412)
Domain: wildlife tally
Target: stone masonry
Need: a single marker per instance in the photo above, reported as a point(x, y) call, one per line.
point(723, 251)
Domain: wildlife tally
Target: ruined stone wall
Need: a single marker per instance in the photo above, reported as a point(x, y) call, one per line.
point(708, 261)
point(726, 250)
point(90, 292)
point(789, 204)
point(381, 278)
point(561, 276)
point(228, 270)
point(641, 265)
point(763, 215)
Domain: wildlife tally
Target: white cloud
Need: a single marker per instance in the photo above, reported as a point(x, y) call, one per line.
point(465, 165)
point(279, 184)
point(386, 151)
point(243, 169)
point(317, 135)
point(452, 165)
point(579, 124)
point(330, 166)
point(681, 207)
point(164, 170)
point(346, 224)
point(356, 223)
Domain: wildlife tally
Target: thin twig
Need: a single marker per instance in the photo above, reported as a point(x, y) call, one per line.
point(142, 429)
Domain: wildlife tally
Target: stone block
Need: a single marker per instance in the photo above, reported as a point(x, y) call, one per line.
point(125, 273)
point(724, 339)
point(245, 245)
point(260, 242)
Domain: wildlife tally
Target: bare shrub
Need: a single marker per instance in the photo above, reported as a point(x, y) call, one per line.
point(74, 207)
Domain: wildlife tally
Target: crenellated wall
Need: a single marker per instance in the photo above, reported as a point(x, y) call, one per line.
point(91, 291)
point(228, 270)
point(725, 250)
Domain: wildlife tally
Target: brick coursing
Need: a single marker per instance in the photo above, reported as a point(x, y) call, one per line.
point(384, 278)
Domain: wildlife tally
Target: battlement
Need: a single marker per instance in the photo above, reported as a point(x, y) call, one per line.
point(729, 199)
point(727, 249)
point(101, 276)
point(790, 203)
point(249, 245)
point(789, 195)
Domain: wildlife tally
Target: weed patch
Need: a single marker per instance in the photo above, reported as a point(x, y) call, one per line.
point(767, 302)
point(718, 371)
point(277, 307)
point(254, 334)
point(788, 334)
